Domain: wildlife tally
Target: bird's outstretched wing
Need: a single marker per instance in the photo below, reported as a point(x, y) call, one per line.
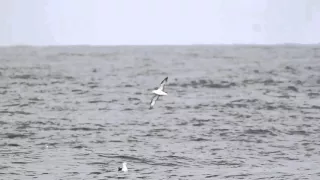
point(163, 83)
point(153, 101)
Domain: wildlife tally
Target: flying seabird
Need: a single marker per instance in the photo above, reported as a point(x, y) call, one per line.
point(124, 167)
point(159, 92)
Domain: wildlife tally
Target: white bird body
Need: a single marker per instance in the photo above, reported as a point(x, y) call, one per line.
point(124, 167)
point(159, 92)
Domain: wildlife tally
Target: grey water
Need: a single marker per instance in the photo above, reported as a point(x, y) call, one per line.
point(232, 112)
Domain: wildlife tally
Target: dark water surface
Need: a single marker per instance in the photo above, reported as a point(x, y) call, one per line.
point(233, 112)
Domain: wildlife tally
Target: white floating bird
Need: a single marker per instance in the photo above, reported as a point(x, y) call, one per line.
point(159, 92)
point(124, 167)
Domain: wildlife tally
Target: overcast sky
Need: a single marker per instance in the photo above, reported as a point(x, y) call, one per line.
point(114, 22)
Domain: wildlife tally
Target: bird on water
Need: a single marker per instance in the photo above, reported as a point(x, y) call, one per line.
point(123, 168)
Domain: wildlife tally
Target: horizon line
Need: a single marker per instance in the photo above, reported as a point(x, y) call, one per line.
point(130, 45)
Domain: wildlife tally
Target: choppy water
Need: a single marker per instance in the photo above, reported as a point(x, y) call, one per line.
point(233, 112)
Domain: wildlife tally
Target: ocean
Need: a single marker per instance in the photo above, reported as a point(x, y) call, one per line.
point(232, 112)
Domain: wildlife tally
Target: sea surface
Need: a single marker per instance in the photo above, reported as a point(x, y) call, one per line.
point(232, 112)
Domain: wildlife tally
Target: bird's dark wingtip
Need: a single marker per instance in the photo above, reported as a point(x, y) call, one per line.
point(119, 168)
